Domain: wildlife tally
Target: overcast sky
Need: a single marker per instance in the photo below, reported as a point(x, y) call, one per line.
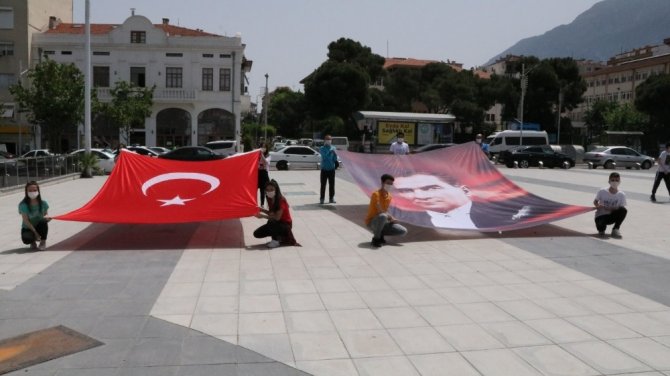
point(288, 39)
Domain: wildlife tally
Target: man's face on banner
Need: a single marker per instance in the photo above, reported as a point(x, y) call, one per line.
point(430, 192)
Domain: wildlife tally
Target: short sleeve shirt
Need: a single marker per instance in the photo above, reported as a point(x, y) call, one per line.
point(35, 215)
point(608, 199)
point(283, 205)
point(377, 199)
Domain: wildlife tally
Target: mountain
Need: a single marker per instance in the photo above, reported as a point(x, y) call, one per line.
point(608, 28)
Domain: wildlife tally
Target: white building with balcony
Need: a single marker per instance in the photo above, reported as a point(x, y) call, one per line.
point(199, 78)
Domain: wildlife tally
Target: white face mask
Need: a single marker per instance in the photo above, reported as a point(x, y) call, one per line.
point(33, 195)
point(478, 140)
point(270, 194)
point(388, 187)
point(401, 140)
point(614, 184)
point(327, 142)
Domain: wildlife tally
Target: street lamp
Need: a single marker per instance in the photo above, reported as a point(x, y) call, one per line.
point(524, 86)
point(265, 111)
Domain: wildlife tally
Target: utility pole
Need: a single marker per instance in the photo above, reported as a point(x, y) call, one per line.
point(524, 86)
point(87, 81)
point(558, 115)
point(265, 111)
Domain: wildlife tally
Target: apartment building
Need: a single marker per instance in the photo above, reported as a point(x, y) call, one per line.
point(19, 21)
point(199, 78)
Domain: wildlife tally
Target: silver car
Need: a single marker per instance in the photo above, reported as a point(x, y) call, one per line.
point(618, 156)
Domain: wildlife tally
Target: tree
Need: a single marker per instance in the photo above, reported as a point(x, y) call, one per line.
point(336, 89)
point(287, 111)
point(652, 98)
point(55, 99)
point(349, 51)
point(596, 118)
point(130, 106)
point(625, 117)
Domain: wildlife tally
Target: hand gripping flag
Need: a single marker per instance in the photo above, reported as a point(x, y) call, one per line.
point(142, 189)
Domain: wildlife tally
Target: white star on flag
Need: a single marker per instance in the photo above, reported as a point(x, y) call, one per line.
point(176, 201)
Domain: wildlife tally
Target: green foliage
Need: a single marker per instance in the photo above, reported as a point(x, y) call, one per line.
point(130, 106)
point(336, 89)
point(55, 99)
point(349, 51)
point(652, 97)
point(595, 118)
point(625, 118)
point(333, 125)
point(287, 111)
point(88, 163)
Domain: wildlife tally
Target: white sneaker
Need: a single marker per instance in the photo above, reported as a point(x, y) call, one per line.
point(43, 245)
point(273, 244)
point(616, 233)
point(33, 245)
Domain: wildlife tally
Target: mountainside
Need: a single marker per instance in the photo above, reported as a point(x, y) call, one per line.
point(608, 28)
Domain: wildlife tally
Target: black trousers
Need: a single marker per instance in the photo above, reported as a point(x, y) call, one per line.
point(275, 229)
point(263, 179)
point(27, 236)
point(657, 181)
point(616, 217)
point(327, 176)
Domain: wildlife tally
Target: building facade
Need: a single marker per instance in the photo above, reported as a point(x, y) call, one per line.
point(199, 78)
point(19, 21)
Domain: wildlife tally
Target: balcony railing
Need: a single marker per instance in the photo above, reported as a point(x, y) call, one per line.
point(105, 94)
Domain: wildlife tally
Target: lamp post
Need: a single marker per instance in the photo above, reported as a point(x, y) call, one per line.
point(524, 86)
point(558, 115)
point(265, 111)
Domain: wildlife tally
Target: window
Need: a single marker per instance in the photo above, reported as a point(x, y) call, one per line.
point(66, 52)
point(224, 79)
point(6, 80)
point(173, 77)
point(100, 53)
point(6, 48)
point(49, 52)
point(138, 76)
point(138, 36)
point(101, 76)
point(174, 54)
point(6, 18)
point(207, 79)
point(207, 55)
point(224, 56)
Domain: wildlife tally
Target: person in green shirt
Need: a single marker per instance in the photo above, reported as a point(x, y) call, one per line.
point(34, 212)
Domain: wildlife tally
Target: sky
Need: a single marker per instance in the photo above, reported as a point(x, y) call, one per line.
point(288, 39)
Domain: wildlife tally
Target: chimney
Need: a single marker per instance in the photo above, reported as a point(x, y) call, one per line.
point(132, 11)
point(166, 21)
point(53, 22)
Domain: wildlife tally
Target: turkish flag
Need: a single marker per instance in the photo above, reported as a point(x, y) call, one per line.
point(142, 189)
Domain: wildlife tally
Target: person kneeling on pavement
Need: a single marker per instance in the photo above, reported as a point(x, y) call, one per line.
point(378, 220)
point(279, 222)
point(610, 206)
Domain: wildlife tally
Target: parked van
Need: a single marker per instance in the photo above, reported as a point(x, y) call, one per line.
point(506, 140)
point(223, 147)
point(340, 143)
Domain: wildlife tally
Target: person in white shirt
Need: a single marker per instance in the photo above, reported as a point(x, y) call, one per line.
point(610, 206)
point(663, 172)
point(399, 147)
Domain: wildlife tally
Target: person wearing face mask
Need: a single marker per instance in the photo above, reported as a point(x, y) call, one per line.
point(399, 147)
point(610, 206)
point(328, 167)
point(279, 224)
point(34, 212)
point(378, 219)
point(263, 175)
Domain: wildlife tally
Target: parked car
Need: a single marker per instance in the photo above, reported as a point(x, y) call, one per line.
point(527, 156)
point(607, 156)
point(296, 156)
point(192, 153)
point(159, 149)
point(223, 147)
point(143, 150)
point(105, 159)
point(7, 154)
point(430, 147)
point(38, 153)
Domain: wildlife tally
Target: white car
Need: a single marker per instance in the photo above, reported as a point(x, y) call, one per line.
point(295, 156)
point(105, 159)
point(223, 147)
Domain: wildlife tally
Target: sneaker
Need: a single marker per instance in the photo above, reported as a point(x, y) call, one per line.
point(601, 234)
point(376, 242)
point(273, 244)
point(43, 245)
point(382, 240)
point(332, 202)
point(33, 245)
point(653, 198)
point(616, 233)
point(321, 202)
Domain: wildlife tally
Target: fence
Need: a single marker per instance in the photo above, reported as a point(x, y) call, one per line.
point(17, 172)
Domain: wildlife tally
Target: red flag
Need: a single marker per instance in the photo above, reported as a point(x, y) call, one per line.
point(142, 189)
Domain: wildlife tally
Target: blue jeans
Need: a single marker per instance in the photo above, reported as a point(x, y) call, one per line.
point(380, 226)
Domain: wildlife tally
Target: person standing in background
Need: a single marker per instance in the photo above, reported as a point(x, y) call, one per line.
point(485, 147)
point(263, 174)
point(328, 167)
point(399, 147)
point(663, 172)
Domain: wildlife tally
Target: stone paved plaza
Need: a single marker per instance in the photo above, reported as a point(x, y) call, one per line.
point(209, 299)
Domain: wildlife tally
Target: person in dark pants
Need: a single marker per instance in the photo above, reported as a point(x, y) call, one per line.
point(33, 210)
point(328, 167)
point(610, 206)
point(279, 223)
point(378, 219)
point(663, 172)
point(263, 175)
